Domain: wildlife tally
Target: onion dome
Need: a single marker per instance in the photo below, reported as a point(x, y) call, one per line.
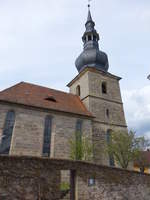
point(91, 55)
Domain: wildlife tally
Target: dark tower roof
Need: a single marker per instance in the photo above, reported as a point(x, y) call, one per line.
point(89, 16)
point(91, 55)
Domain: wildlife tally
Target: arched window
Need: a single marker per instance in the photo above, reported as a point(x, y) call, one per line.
point(111, 157)
point(104, 88)
point(47, 136)
point(78, 90)
point(79, 125)
point(78, 136)
point(7, 133)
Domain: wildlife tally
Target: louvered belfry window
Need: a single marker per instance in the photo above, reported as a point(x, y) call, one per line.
point(47, 136)
point(7, 133)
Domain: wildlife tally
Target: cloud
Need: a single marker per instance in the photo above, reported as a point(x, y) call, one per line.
point(137, 109)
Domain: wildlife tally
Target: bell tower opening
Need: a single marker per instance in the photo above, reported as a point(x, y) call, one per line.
point(89, 37)
point(104, 88)
point(78, 90)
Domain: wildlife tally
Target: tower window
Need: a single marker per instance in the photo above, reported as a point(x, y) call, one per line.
point(89, 38)
point(104, 88)
point(78, 90)
point(7, 133)
point(107, 113)
point(47, 136)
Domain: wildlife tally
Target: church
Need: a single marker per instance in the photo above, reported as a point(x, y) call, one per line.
point(39, 121)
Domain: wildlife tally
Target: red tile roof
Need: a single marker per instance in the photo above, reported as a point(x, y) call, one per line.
point(42, 97)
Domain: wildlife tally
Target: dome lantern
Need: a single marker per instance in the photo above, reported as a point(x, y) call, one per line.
point(91, 55)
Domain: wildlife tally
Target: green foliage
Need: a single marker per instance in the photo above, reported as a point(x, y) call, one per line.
point(87, 149)
point(125, 147)
point(64, 186)
point(142, 161)
point(81, 147)
point(141, 158)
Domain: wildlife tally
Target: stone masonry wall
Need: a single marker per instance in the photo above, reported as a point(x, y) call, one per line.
point(113, 88)
point(97, 103)
point(99, 140)
point(100, 102)
point(98, 108)
point(28, 178)
point(83, 82)
point(112, 184)
point(28, 132)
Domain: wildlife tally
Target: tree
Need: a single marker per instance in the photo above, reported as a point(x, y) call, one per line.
point(81, 147)
point(142, 158)
point(142, 161)
point(125, 147)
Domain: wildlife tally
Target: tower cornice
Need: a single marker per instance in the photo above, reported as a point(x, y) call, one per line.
point(94, 70)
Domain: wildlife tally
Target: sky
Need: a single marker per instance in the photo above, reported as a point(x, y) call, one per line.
point(40, 40)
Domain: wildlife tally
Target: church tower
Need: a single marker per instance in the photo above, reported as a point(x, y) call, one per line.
point(99, 91)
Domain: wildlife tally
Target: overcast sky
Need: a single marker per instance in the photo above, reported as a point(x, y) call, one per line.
point(40, 40)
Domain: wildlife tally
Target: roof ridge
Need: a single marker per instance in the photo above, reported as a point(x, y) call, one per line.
point(12, 86)
point(36, 85)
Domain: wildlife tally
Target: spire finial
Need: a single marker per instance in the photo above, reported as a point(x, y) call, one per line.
point(89, 12)
point(89, 5)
